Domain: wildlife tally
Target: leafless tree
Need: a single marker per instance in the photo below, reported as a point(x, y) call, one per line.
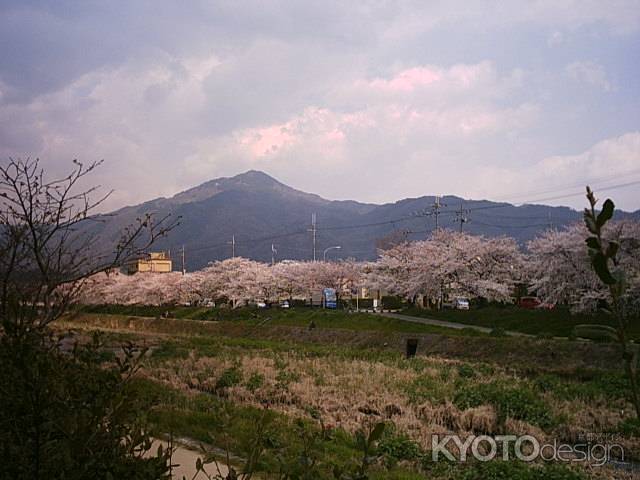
point(392, 239)
point(49, 245)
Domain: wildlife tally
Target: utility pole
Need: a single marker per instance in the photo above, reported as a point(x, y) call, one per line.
point(313, 230)
point(184, 270)
point(461, 216)
point(274, 252)
point(435, 209)
point(233, 246)
point(550, 221)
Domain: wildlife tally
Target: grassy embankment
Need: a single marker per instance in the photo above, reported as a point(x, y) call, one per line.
point(550, 323)
point(558, 322)
point(295, 317)
point(202, 383)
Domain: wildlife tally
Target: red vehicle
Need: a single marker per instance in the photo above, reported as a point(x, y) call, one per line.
point(530, 303)
point(546, 306)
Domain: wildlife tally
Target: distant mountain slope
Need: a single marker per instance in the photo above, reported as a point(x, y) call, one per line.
point(260, 211)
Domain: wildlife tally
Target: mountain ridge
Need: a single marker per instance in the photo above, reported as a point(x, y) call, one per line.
point(258, 211)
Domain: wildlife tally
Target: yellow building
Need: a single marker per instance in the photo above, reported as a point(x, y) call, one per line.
point(156, 262)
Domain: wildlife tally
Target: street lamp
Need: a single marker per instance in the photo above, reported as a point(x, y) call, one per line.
point(324, 255)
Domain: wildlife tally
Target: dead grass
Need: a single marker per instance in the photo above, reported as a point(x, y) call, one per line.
point(344, 393)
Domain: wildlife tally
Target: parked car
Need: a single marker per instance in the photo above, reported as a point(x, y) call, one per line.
point(546, 306)
point(207, 302)
point(262, 305)
point(530, 303)
point(285, 304)
point(461, 304)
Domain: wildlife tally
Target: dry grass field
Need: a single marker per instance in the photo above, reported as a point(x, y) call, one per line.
point(339, 381)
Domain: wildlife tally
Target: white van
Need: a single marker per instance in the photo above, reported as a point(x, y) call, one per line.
point(461, 303)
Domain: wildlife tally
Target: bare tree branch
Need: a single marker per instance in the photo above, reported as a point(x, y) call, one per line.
point(46, 248)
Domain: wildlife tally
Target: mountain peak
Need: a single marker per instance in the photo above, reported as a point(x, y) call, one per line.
point(251, 180)
point(255, 178)
point(254, 174)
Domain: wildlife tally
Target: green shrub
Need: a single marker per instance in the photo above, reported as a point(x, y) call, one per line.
point(229, 378)
point(392, 302)
point(256, 380)
point(515, 401)
point(425, 388)
point(443, 468)
point(169, 350)
point(67, 415)
point(629, 427)
point(485, 369)
point(466, 371)
point(362, 303)
point(398, 447)
point(594, 385)
point(500, 470)
point(285, 377)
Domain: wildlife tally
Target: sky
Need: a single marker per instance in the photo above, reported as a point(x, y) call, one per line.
point(522, 101)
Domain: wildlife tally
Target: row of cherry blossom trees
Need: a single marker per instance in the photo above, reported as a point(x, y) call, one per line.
point(236, 280)
point(447, 264)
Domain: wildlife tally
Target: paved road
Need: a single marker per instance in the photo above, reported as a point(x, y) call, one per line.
point(184, 461)
point(444, 323)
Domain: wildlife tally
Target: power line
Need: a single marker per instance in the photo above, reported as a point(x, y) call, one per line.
point(512, 226)
point(411, 217)
point(576, 184)
point(472, 209)
point(461, 216)
point(600, 189)
point(376, 224)
point(568, 195)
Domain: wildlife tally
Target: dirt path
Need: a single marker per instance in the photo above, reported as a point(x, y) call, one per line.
point(444, 323)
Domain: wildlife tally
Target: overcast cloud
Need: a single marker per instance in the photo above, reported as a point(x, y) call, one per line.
point(373, 101)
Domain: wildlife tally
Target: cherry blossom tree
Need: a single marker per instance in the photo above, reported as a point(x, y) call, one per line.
point(139, 289)
point(559, 267)
point(450, 263)
point(341, 276)
point(290, 279)
point(238, 279)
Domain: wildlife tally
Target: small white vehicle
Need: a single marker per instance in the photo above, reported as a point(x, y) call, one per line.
point(461, 304)
point(284, 304)
point(261, 305)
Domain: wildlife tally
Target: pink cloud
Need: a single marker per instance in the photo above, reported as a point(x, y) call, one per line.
point(411, 79)
point(408, 80)
point(265, 141)
point(335, 135)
